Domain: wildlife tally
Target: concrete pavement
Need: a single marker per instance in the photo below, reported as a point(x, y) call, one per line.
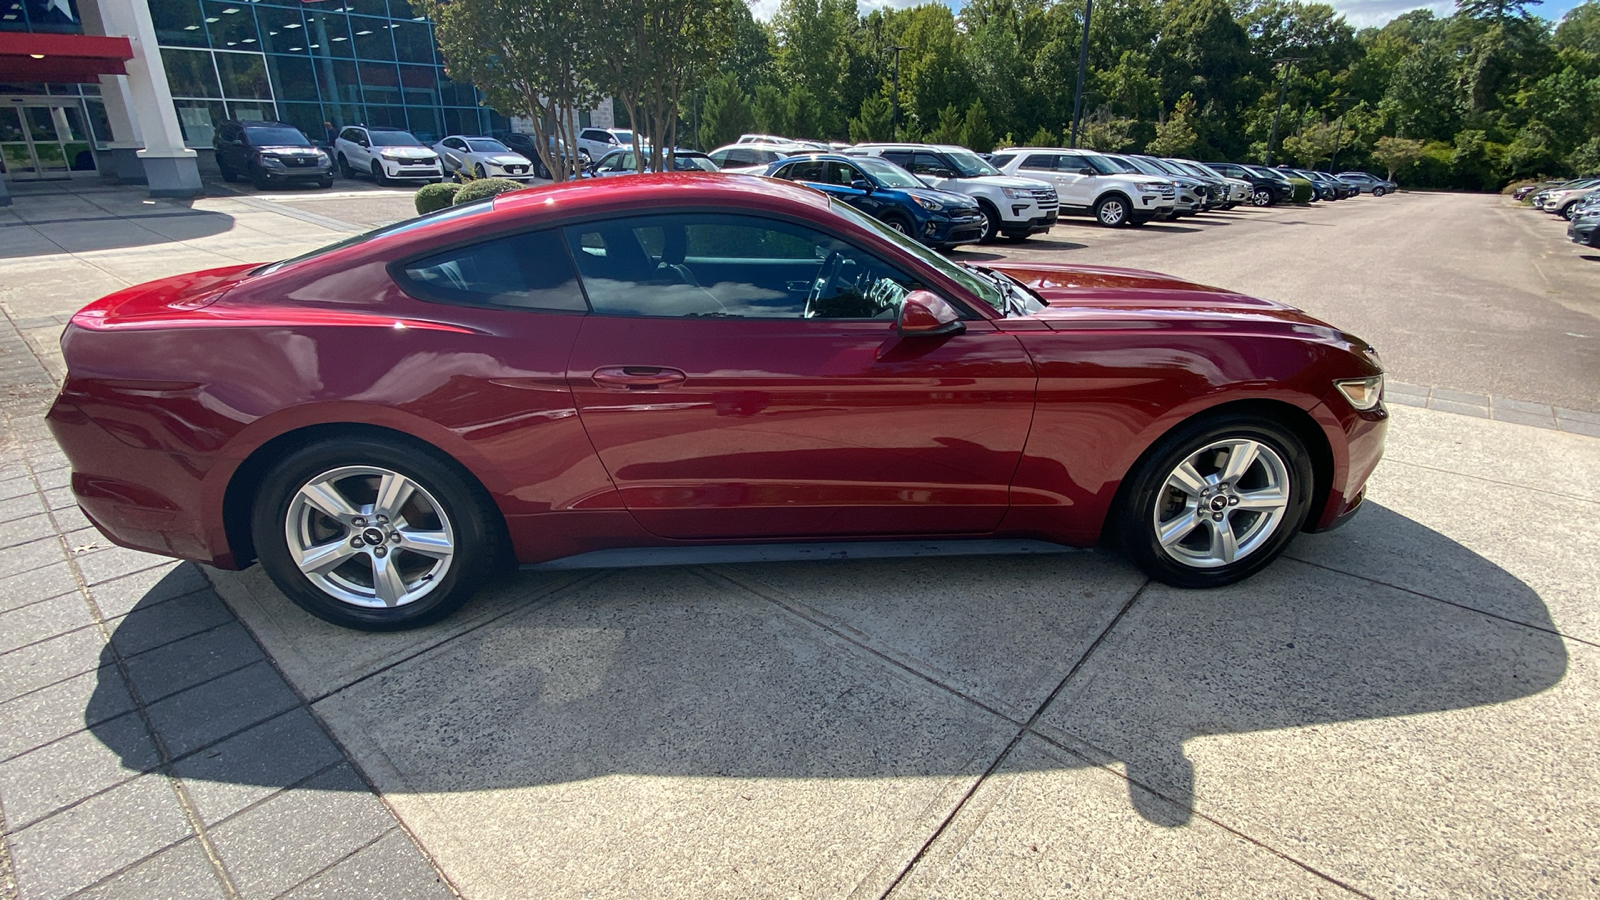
point(1403, 707)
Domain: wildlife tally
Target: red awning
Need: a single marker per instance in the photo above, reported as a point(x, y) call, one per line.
point(34, 57)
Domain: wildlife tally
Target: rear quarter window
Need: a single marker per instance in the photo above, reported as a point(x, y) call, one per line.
point(523, 271)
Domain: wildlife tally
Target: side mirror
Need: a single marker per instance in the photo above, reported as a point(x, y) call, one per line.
point(927, 313)
point(861, 184)
point(1087, 171)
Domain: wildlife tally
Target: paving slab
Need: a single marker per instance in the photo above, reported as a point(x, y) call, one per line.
point(1382, 738)
point(76, 849)
point(45, 780)
point(1003, 630)
point(1050, 824)
point(52, 712)
point(656, 734)
point(182, 871)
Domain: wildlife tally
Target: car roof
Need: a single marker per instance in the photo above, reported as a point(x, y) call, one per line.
point(658, 189)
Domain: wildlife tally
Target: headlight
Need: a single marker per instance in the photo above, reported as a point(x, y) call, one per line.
point(1363, 393)
point(1017, 193)
point(930, 205)
point(392, 157)
point(322, 157)
point(1149, 189)
point(271, 162)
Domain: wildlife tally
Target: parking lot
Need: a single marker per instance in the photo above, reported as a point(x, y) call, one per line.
point(1406, 706)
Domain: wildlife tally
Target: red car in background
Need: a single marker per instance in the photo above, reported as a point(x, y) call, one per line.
point(682, 361)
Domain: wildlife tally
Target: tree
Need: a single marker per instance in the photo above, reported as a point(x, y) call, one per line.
point(727, 112)
point(1176, 136)
point(1419, 100)
point(813, 55)
point(527, 57)
point(1312, 143)
point(804, 115)
point(1395, 153)
point(654, 50)
point(978, 133)
point(771, 117)
point(1105, 132)
point(950, 127)
point(1044, 137)
point(875, 121)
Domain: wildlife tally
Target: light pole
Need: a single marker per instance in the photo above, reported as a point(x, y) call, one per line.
point(1083, 67)
point(1338, 133)
point(1283, 91)
point(894, 117)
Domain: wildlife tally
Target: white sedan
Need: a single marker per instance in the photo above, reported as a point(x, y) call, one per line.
point(482, 157)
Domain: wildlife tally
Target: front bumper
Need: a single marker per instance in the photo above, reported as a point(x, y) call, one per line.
point(1041, 222)
point(399, 171)
point(1587, 233)
point(963, 229)
point(296, 173)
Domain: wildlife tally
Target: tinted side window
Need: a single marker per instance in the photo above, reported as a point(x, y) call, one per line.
point(527, 271)
point(1000, 160)
point(928, 164)
point(1040, 161)
point(901, 158)
point(715, 266)
point(811, 170)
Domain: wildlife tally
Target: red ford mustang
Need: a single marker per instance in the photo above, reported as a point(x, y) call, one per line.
point(683, 361)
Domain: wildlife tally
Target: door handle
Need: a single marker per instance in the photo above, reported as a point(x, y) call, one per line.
point(637, 378)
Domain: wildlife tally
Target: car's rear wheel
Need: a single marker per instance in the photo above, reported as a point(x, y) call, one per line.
point(1215, 501)
point(1112, 211)
point(373, 535)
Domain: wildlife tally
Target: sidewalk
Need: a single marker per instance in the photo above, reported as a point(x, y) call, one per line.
point(1407, 705)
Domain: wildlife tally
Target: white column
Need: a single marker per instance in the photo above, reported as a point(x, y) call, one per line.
point(143, 99)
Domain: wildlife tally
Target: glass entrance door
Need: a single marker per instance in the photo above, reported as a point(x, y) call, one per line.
point(39, 141)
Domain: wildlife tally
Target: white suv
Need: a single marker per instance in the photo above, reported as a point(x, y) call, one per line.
point(1090, 185)
point(387, 154)
point(1014, 207)
point(594, 143)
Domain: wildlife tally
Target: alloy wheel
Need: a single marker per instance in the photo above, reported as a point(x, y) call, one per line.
point(1261, 197)
point(369, 536)
point(1112, 212)
point(1224, 502)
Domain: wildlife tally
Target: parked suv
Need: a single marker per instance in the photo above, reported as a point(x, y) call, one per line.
point(386, 154)
point(1014, 207)
point(750, 159)
point(1088, 184)
point(1189, 193)
point(1266, 190)
point(594, 143)
point(269, 153)
point(1369, 184)
point(890, 194)
point(527, 146)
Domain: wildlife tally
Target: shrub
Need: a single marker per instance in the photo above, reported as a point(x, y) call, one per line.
point(434, 197)
point(480, 188)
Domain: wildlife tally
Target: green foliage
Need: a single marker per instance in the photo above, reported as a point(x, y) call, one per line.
point(1313, 143)
point(1044, 137)
point(484, 187)
point(1395, 153)
point(875, 122)
point(434, 197)
point(726, 113)
point(1176, 136)
point(978, 132)
point(951, 127)
point(768, 108)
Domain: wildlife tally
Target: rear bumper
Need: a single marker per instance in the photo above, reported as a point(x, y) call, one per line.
point(143, 499)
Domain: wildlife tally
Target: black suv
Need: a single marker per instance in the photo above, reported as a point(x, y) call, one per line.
point(269, 153)
point(1265, 190)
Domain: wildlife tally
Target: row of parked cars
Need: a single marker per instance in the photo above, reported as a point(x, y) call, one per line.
point(1577, 201)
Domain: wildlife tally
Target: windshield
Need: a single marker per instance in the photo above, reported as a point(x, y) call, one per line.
point(1122, 165)
point(1143, 165)
point(887, 174)
point(1263, 172)
point(487, 145)
point(1191, 170)
point(444, 215)
point(1208, 170)
point(282, 136)
point(693, 164)
point(1101, 164)
point(394, 139)
point(969, 164)
point(623, 135)
point(981, 288)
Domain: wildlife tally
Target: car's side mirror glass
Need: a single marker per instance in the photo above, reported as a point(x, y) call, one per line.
point(1086, 171)
point(924, 313)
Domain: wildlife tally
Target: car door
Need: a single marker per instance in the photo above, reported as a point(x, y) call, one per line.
point(843, 180)
point(450, 153)
point(742, 377)
point(932, 168)
point(1046, 167)
point(1074, 187)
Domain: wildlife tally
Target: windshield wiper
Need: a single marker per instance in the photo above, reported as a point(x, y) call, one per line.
point(1015, 305)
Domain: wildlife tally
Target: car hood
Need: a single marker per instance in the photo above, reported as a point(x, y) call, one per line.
point(408, 152)
point(948, 198)
point(501, 159)
point(1081, 297)
point(1156, 180)
point(290, 151)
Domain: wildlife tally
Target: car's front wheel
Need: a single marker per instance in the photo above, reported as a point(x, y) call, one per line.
point(344, 167)
point(1378, 192)
point(373, 535)
point(1215, 501)
point(1111, 211)
point(1261, 197)
point(991, 224)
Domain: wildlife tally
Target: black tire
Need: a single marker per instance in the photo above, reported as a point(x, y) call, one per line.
point(1568, 211)
point(1017, 237)
point(377, 174)
point(344, 167)
point(991, 222)
point(1261, 197)
point(1378, 192)
point(325, 181)
point(259, 181)
point(478, 171)
point(462, 505)
point(1134, 521)
point(228, 174)
point(899, 223)
point(1112, 210)
point(1138, 223)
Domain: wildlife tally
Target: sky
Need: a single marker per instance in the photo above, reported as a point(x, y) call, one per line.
point(1361, 13)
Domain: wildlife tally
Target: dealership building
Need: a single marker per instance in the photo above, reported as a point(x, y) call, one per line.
point(130, 89)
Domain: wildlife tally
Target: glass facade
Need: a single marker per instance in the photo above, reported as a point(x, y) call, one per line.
point(342, 62)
